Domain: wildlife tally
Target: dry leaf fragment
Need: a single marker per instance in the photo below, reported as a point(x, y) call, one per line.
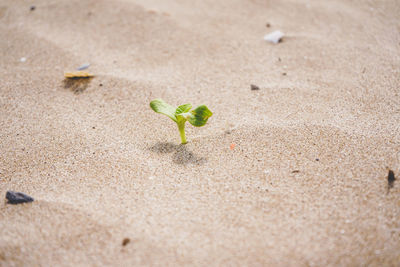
point(77, 81)
point(78, 74)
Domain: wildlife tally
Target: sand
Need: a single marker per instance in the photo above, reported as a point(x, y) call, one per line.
point(306, 183)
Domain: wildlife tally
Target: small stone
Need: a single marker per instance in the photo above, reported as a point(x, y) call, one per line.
point(254, 87)
point(316, 159)
point(17, 197)
point(101, 84)
point(23, 59)
point(125, 241)
point(268, 25)
point(32, 8)
point(284, 74)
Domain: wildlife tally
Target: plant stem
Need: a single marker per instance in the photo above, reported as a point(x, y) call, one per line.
point(181, 127)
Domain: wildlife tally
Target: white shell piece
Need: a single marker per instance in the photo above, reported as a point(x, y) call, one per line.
point(84, 66)
point(274, 37)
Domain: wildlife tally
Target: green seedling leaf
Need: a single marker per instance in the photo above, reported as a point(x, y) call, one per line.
point(159, 106)
point(183, 109)
point(197, 117)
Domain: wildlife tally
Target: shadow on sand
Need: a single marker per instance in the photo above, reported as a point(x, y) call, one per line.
point(181, 155)
point(77, 85)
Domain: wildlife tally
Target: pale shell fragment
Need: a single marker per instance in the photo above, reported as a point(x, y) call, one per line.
point(84, 66)
point(274, 37)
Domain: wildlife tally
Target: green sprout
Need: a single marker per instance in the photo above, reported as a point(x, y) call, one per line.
point(197, 117)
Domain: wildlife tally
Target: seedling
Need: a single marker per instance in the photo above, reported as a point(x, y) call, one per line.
point(197, 117)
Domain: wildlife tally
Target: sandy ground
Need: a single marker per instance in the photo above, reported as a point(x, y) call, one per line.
point(306, 183)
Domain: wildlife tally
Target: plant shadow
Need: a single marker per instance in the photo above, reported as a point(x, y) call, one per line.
point(181, 155)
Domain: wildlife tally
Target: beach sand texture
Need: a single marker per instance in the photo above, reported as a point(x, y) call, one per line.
point(305, 184)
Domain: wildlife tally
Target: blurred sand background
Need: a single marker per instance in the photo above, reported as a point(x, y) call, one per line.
point(305, 185)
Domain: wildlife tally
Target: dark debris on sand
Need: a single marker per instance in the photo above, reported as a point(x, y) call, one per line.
point(390, 179)
point(125, 241)
point(17, 197)
point(254, 87)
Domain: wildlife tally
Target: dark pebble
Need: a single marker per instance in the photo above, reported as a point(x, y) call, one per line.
point(317, 159)
point(391, 179)
point(101, 84)
point(295, 171)
point(32, 8)
point(284, 74)
point(254, 87)
point(125, 241)
point(268, 25)
point(17, 197)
